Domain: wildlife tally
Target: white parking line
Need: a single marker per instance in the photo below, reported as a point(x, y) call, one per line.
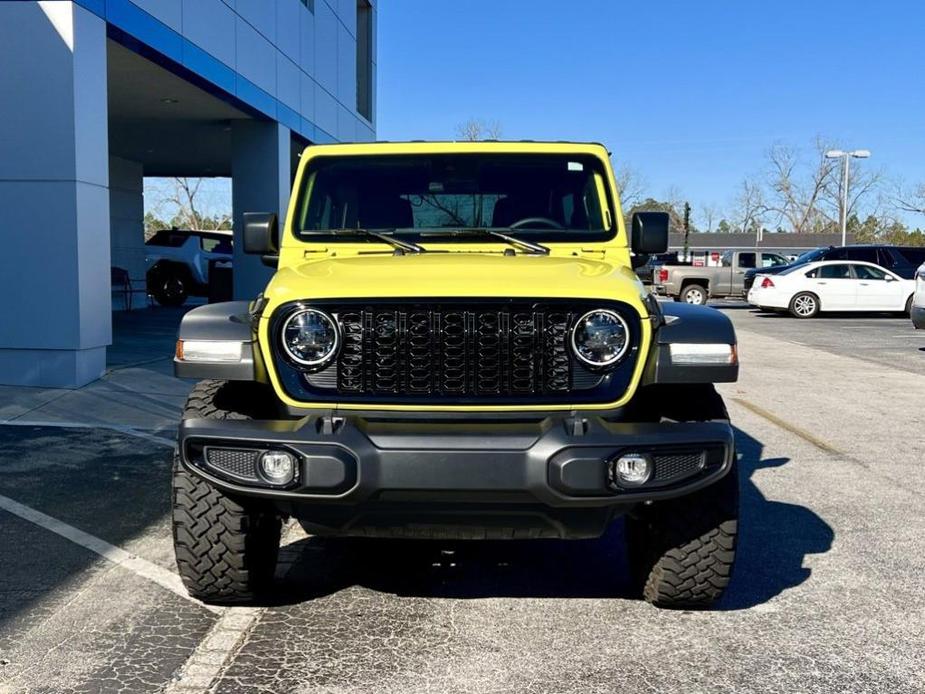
point(117, 555)
point(226, 636)
point(210, 656)
point(121, 428)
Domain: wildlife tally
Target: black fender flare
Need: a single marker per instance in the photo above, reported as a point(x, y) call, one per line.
point(677, 323)
point(229, 321)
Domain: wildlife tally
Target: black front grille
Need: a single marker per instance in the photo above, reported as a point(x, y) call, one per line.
point(454, 351)
point(495, 351)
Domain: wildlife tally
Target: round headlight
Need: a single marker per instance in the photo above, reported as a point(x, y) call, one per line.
point(310, 337)
point(600, 338)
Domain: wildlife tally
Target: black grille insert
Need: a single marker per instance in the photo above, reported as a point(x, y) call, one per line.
point(236, 462)
point(460, 352)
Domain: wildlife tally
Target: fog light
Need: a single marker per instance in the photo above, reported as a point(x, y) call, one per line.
point(631, 470)
point(277, 467)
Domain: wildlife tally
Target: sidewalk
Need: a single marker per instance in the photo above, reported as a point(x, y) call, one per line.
point(138, 389)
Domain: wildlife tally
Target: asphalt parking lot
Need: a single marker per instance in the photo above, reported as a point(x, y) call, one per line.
point(828, 593)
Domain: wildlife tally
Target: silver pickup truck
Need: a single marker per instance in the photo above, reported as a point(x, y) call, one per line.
point(696, 284)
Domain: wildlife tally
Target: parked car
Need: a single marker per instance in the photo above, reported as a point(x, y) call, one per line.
point(646, 272)
point(902, 260)
point(917, 311)
point(696, 284)
point(832, 285)
point(407, 373)
point(178, 260)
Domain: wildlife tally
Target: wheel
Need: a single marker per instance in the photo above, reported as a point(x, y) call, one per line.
point(682, 550)
point(804, 305)
point(694, 294)
point(908, 310)
point(226, 547)
point(169, 287)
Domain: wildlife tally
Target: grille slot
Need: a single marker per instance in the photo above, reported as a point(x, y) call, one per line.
point(236, 462)
point(675, 466)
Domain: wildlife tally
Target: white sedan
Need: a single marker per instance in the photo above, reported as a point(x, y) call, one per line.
point(918, 300)
point(832, 285)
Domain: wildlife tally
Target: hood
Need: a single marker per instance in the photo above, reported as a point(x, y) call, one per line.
point(438, 274)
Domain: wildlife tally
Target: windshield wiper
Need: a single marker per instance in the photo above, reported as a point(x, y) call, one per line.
point(384, 235)
point(482, 231)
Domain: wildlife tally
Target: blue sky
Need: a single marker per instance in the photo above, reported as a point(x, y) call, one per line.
point(691, 94)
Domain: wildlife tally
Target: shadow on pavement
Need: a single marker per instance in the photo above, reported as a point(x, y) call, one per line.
point(774, 539)
point(112, 486)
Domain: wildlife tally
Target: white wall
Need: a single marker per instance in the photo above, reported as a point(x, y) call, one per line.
point(54, 177)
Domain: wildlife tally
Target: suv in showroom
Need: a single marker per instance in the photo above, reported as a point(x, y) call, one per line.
point(455, 346)
point(178, 263)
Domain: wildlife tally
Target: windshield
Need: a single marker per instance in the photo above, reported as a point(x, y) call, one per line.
point(541, 197)
point(810, 256)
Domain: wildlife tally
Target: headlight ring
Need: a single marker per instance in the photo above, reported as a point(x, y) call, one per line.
point(596, 338)
point(319, 333)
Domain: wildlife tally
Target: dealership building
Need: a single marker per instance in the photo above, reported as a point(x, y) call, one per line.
point(95, 95)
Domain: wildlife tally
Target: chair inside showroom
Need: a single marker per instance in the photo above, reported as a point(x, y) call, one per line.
point(124, 287)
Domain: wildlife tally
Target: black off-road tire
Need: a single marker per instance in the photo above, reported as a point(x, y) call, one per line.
point(681, 551)
point(226, 547)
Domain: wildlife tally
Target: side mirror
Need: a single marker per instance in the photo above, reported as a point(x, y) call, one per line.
point(890, 278)
point(650, 233)
point(261, 236)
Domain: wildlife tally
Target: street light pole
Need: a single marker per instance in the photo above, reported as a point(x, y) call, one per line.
point(846, 156)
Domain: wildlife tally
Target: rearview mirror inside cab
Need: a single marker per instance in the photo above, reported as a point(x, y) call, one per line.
point(261, 236)
point(650, 233)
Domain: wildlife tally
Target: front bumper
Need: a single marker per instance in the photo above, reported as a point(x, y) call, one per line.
point(545, 478)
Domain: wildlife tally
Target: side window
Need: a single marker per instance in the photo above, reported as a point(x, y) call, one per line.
point(866, 272)
point(914, 256)
point(835, 272)
point(746, 260)
point(726, 259)
point(885, 258)
point(208, 244)
point(772, 259)
point(868, 255)
point(812, 274)
point(833, 254)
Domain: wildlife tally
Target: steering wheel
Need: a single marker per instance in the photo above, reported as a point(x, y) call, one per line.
point(551, 223)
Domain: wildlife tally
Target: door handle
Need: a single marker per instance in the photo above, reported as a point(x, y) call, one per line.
point(821, 282)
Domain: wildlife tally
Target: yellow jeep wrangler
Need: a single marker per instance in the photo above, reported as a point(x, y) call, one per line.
point(455, 346)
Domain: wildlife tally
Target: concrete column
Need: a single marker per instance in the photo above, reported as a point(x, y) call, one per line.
point(261, 180)
point(54, 175)
point(127, 223)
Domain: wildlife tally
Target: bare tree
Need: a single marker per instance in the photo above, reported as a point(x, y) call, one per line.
point(908, 198)
point(630, 186)
point(476, 129)
point(749, 207)
point(861, 185)
point(181, 201)
point(799, 199)
point(710, 213)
